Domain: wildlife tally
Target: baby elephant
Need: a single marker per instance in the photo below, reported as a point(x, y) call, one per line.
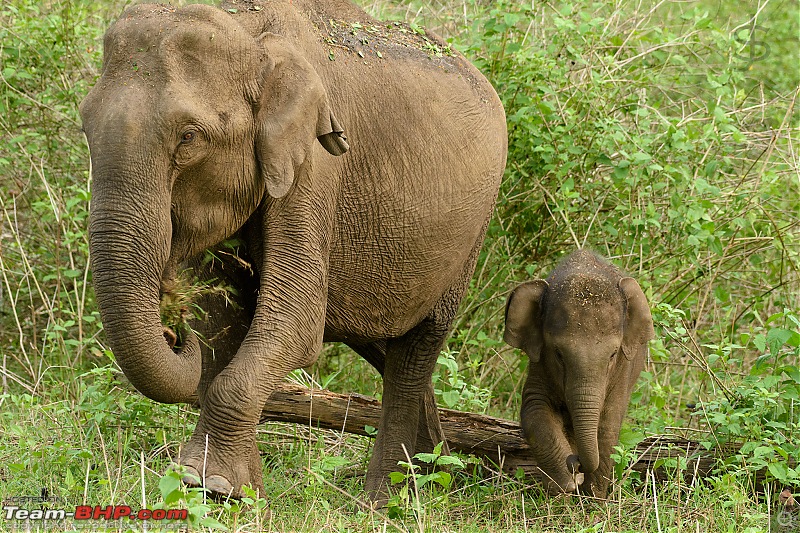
point(585, 330)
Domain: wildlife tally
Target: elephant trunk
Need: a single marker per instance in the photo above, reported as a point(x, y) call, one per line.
point(130, 235)
point(585, 409)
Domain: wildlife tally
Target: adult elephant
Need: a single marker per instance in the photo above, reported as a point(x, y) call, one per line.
point(208, 123)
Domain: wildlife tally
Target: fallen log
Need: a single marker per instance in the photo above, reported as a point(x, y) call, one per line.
point(492, 439)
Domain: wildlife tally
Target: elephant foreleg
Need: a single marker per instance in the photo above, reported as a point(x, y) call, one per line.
point(227, 321)
point(286, 333)
point(544, 429)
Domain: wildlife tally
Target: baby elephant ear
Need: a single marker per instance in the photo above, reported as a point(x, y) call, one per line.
point(523, 318)
point(292, 110)
point(638, 327)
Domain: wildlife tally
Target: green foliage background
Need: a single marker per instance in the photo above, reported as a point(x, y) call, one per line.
point(662, 134)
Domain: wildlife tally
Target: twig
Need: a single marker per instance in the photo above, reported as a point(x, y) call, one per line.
point(655, 501)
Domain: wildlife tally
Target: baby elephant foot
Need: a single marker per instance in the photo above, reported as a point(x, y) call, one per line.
point(595, 486)
point(556, 488)
point(566, 479)
point(223, 474)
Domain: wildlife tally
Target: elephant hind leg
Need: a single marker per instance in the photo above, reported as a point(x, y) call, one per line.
point(429, 428)
point(409, 416)
point(407, 389)
point(407, 373)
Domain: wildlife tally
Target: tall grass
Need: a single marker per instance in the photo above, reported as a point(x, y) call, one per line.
point(652, 131)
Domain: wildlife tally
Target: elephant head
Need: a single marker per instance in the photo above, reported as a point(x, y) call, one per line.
point(585, 331)
point(192, 125)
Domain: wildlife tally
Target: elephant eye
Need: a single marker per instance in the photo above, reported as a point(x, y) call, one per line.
point(187, 137)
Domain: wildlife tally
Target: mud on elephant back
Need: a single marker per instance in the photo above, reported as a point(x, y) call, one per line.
point(359, 188)
point(585, 330)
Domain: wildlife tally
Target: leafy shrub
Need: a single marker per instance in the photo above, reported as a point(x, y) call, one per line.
point(454, 392)
point(643, 137)
point(762, 411)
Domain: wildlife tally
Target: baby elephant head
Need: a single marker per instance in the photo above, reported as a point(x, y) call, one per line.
point(585, 331)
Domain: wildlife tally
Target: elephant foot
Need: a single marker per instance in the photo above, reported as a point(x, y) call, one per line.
point(595, 486)
point(218, 485)
point(225, 474)
point(376, 484)
point(561, 482)
point(376, 492)
point(556, 489)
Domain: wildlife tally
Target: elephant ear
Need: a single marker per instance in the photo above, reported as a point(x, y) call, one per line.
point(292, 110)
point(523, 318)
point(638, 327)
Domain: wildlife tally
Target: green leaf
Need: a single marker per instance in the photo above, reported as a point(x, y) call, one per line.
point(168, 484)
point(427, 478)
point(793, 373)
point(715, 245)
point(776, 338)
point(212, 523)
point(397, 477)
point(451, 398)
point(429, 458)
point(760, 342)
point(174, 496)
point(450, 460)
point(444, 479)
point(763, 451)
point(449, 362)
point(778, 470)
point(333, 462)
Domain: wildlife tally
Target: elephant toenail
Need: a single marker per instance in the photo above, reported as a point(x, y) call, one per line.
point(191, 477)
point(220, 485)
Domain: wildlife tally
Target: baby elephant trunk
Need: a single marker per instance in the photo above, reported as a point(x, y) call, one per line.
point(585, 413)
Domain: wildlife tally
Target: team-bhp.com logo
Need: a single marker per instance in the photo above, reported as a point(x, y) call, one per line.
point(87, 512)
point(16, 512)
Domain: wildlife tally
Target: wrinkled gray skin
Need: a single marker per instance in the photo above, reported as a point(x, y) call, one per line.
point(206, 125)
point(585, 330)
